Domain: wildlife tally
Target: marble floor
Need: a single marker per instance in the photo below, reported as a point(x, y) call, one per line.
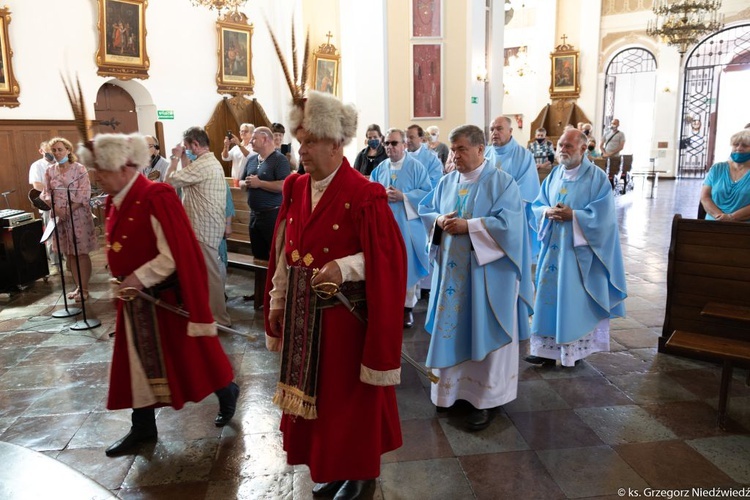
point(630, 418)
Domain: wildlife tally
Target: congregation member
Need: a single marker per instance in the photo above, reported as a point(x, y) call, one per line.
point(542, 150)
point(725, 194)
point(263, 178)
point(613, 141)
point(580, 277)
point(76, 234)
point(160, 358)
point(238, 149)
point(406, 182)
point(40, 166)
point(433, 142)
point(157, 166)
point(419, 151)
point(338, 366)
point(204, 196)
point(506, 153)
point(371, 156)
point(279, 131)
point(482, 297)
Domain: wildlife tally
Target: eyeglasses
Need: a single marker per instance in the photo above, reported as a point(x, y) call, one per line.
point(150, 145)
point(392, 143)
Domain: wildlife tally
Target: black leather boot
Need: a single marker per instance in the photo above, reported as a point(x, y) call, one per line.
point(143, 430)
point(408, 318)
point(227, 404)
point(353, 490)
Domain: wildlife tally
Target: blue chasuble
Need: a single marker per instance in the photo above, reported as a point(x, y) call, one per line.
point(577, 286)
point(413, 181)
point(431, 163)
point(519, 163)
point(473, 308)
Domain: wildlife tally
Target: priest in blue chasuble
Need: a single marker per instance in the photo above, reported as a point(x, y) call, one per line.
point(508, 155)
point(481, 285)
point(580, 278)
point(406, 182)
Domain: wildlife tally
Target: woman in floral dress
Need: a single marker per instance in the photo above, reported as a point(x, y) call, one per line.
point(66, 173)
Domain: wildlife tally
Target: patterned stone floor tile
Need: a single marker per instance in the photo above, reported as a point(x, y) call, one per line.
point(624, 424)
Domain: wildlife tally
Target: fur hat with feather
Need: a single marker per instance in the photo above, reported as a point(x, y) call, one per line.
point(113, 151)
point(320, 114)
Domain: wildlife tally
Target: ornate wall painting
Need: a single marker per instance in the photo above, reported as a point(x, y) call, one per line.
point(235, 74)
point(426, 18)
point(427, 80)
point(9, 89)
point(122, 39)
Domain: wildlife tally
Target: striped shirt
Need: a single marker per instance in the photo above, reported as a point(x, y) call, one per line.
point(204, 197)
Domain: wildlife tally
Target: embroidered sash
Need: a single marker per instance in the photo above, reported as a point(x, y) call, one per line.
point(296, 391)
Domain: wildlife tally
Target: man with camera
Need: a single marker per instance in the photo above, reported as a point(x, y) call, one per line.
point(238, 150)
point(263, 178)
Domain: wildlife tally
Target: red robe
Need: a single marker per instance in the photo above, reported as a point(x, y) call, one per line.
point(357, 422)
point(195, 366)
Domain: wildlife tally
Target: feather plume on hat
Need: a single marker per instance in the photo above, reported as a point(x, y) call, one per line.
point(321, 114)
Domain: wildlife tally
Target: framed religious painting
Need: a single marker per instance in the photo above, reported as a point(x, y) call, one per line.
point(427, 80)
point(235, 55)
point(9, 89)
point(426, 18)
point(326, 68)
point(564, 82)
point(122, 39)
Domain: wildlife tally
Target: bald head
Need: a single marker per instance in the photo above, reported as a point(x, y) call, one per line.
point(500, 131)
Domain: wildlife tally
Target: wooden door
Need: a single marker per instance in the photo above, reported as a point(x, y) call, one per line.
point(115, 111)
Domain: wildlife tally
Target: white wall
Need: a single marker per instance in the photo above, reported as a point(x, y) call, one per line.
point(51, 36)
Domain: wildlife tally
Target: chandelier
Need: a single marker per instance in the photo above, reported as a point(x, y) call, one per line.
point(219, 4)
point(681, 23)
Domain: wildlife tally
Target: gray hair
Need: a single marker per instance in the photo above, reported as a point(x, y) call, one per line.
point(398, 131)
point(474, 134)
point(196, 134)
point(742, 137)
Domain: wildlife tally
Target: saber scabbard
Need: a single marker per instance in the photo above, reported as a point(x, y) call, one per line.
point(327, 290)
point(131, 293)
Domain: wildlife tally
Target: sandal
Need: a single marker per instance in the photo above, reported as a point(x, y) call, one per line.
point(72, 295)
point(77, 298)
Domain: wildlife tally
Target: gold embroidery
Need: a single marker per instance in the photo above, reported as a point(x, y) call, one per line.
point(116, 246)
point(308, 259)
point(295, 256)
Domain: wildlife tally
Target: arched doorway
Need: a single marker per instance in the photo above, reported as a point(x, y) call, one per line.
point(629, 89)
point(714, 67)
point(115, 110)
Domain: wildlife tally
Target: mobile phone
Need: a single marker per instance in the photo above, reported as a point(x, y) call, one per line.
point(229, 134)
point(286, 149)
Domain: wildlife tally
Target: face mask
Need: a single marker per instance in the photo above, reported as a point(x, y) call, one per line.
point(191, 156)
point(738, 157)
point(64, 160)
point(587, 132)
point(373, 143)
point(591, 148)
point(49, 157)
point(433, 138)
point(540, 140)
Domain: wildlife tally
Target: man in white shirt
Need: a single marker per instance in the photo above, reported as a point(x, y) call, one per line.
point(39, 167)
point(238, 150)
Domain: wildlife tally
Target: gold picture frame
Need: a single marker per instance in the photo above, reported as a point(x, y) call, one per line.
point(235, 55)
point(122, 39)
point(9, 89)
point(326, 68)
point(564, 83)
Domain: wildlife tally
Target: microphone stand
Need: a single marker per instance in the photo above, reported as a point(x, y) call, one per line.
point(67, 311)
point(86, 324)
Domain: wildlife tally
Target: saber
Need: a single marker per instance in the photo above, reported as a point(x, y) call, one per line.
point(325, 293)
point(130, 293)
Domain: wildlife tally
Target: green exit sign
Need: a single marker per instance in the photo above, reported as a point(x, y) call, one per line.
point(165, 114)
point(475, 100)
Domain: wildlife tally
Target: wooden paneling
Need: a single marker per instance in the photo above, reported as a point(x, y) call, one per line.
point(19, 147)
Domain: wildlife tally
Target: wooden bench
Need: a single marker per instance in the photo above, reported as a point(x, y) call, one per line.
point(259, 267)
point(708, 282)
point(728, 350)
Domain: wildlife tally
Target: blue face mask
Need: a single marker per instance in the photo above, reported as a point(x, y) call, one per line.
point(738, 157)
point(64, 160)
point(373, 143)
point(191, 156)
